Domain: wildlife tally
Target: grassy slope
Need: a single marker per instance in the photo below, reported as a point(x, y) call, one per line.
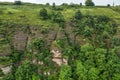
point(31, 13)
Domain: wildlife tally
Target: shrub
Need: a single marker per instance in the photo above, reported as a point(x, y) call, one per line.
point(1, 12)
point(102, 19)
point(58, 18)
point(44, 14)
point(58, 8)
point(1, 73)
point(116, 41)
point(9, 12)
point(78, 15)
point(38, 44)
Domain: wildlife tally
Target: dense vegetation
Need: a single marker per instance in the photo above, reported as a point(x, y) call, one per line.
point(85, 37)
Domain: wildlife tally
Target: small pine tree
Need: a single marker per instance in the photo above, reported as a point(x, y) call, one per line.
point(78, 15)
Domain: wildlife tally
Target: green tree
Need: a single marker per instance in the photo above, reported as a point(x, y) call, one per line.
point(17, 2)
point(53, 6)
point(87, 32)
point(116, 41)
point(47, 4)
point(93, 74)
point(65, 73)
point(38, 44)
point(108, 5)
point(44, 14)
point(25, 71)
point(35, 77)
point(89, 3)
point(80, 4)
point(81, 71)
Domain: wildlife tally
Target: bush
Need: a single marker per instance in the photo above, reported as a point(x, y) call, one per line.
point(9, 12)
point(1, 73)
point(1, 12)
point(116, 41)
point(44, 14)
point(58, 17)
point(78, 15)
point(38, 44)
point(103, 19)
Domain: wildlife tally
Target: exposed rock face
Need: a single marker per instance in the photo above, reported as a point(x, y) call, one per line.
point(6, 70)
point(51, 36)
point(20, 40)
point(6, 50)
point(69, 30)
point(57, 57)
point(1, 35)
point(34, 61)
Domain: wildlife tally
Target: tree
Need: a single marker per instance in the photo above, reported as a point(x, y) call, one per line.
point(25, 71)
point(78, 15)
point(38, 44)
point(65, 73)
point(93, 74)
point(43, 14)
point(108, 5)
point(53, 5)
point(47, 4)
point(89, 3)
point(87, 32)
point(116, 40)
point(80, 4)
point(18, 2)
point(81, 71)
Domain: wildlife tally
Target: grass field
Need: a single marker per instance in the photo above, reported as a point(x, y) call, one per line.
point(30, 14)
